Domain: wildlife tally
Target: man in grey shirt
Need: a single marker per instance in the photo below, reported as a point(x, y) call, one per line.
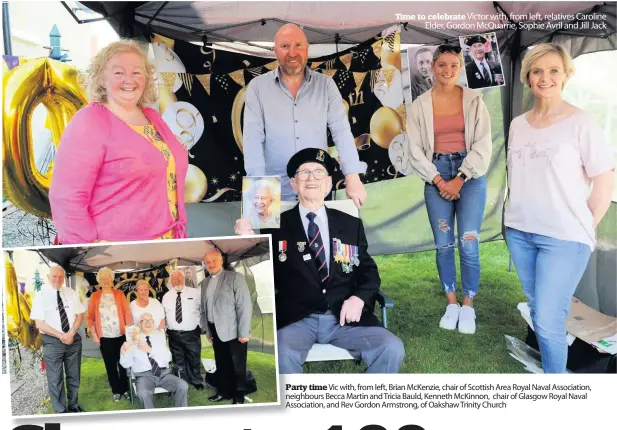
point(291, 108)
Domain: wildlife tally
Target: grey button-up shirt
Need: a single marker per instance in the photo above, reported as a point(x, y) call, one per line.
point(276, 126)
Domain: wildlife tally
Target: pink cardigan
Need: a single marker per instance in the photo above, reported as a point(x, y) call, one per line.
point(110, 183)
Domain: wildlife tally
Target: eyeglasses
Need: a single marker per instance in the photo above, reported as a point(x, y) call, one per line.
point(449, 48)
point(304, 175)
point(148, 321)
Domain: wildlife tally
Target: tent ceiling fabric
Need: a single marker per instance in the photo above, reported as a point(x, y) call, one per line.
point(145, 255)
point(355, 22)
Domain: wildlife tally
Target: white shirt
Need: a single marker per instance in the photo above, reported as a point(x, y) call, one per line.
point(154, 308)
point(322, 222)
point(487, 69)
point(45, 306)
point(214, 281)
point(138, 359)
point(549, 173)
point(191, 300)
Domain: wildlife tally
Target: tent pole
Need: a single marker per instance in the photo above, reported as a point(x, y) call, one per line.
point(157, 13)
point(6, 29)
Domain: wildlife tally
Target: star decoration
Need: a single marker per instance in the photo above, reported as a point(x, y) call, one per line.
point(214, 181)
point(232, 177)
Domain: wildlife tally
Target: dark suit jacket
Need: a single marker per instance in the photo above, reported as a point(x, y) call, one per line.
point(299, 290)
point(474, 76)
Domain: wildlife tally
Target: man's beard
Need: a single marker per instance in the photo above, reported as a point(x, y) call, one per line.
point(293, 71)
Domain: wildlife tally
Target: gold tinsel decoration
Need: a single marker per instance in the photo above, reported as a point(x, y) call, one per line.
point(238, 77)
point(358, 78)
point(346, 60)
point(329, 72)
point(377, 48)
point(205, 81)
point(388, 75)
point(169, 78)
point(187, 81)
point(402, 112)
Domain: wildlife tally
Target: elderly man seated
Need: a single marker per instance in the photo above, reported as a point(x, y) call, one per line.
point(148, 355)
point(325, 279)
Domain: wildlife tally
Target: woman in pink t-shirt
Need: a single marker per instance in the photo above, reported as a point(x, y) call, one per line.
point(555, 153)
point(119, 172)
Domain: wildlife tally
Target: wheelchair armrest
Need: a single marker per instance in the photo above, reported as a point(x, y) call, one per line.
point(384, 300)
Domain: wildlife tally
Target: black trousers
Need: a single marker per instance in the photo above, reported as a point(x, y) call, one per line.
point(185, 349)
point(116, 374)
point(230, 358)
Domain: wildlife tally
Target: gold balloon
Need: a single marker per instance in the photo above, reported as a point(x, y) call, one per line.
point(385, 125)
point(195, 185)
point(166, 98)
point(18, 306)
point(236, 117)
point(389, 58)
point(56, 85)
point(14, 320)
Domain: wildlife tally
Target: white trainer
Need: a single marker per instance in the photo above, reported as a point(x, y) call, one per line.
point(450, 318)
point(467, 320)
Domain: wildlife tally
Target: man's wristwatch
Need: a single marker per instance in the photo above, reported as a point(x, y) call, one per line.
point(462, 176)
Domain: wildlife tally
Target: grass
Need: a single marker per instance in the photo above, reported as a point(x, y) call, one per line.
point(419, 302)
point(95, 394)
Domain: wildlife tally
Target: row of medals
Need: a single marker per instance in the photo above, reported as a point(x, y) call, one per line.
point(347, 255)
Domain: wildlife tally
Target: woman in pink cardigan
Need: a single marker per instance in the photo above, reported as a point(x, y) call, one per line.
point(119, 171)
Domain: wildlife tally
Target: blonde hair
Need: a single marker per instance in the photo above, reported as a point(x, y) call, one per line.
point(95, 88)
point(438, 53)
point(105, 271)
point(140, 282)
point(540, 51)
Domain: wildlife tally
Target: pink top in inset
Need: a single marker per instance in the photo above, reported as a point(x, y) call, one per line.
point(449, 133)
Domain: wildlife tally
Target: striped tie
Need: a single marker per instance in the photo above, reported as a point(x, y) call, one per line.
point(178, 308)
point(156, 370)
point(316, 246)
point(64, 319)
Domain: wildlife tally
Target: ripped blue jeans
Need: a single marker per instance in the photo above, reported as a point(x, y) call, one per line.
point(468, 212)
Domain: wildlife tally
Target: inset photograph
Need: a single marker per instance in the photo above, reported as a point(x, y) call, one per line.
point(482, 61)
point(261, 201)
point(149, 325)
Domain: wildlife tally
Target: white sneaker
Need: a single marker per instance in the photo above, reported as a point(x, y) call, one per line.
point(467, 320)
point(450, 318)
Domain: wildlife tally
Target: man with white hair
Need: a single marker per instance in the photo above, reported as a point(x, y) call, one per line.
point(148, 355)
point(58, 313)
point(291, 108)
point(182, 313)
point(326, 280)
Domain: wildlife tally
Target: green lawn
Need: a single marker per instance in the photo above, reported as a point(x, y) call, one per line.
point(95, 395)
point(419, 302)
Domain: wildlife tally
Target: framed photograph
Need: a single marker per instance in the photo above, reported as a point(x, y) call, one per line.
point(483, 66)
point(261, 201)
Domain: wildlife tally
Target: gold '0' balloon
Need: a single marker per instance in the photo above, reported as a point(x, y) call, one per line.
point(195, 185)
point(56, 86)
point(18, 306)
point(14, 320)
point(385, 125)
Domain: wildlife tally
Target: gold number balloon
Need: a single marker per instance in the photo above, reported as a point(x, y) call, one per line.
point(236, 117)
point(55, 85)
point(18, 324)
